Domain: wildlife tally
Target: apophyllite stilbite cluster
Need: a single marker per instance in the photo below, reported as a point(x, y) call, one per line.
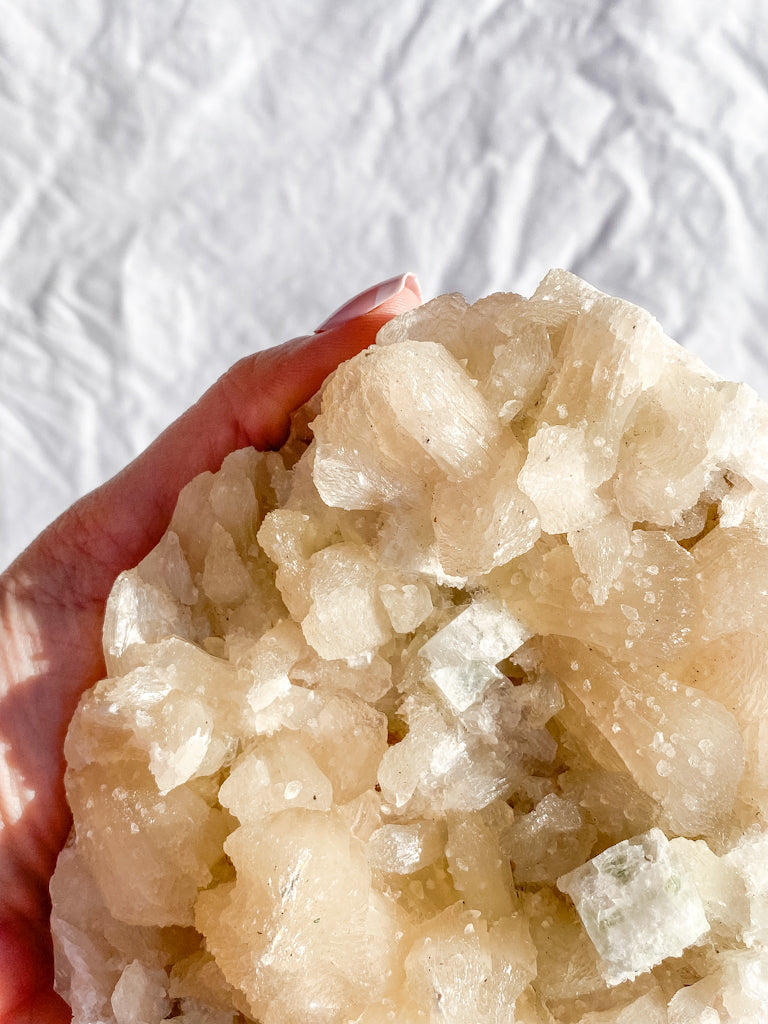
point(454, 710)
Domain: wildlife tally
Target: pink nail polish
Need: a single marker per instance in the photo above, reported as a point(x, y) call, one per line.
point(368, 300)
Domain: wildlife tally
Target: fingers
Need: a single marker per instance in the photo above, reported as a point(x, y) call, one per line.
point(250, 405)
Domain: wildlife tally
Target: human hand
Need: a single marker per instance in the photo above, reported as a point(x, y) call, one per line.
point(52, 602)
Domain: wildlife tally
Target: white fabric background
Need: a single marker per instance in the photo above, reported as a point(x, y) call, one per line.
point(184, 181)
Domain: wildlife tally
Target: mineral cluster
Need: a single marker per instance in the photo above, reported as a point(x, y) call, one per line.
point(454, 710)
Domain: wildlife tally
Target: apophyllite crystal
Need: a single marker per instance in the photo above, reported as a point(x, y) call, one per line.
point(454, 710)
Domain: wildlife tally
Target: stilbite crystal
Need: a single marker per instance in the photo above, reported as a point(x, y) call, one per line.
point(454, 710)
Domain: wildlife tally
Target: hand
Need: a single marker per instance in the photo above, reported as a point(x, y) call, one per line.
point(52, 602)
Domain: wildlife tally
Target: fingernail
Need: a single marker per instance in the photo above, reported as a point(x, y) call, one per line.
point(369, 299)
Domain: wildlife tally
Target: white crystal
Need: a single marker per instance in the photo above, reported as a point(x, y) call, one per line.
point(737, 993)
point(561, 480)
point(140, 613)
point(276, 774)
point(749, 859)
point(383, 425)
point(647, 1009)
point(467, 968)
point(346, 618)
point(403, 849)
point(462, 656)
point(407, 605)
point(484, 521)
point(225, 578)
point(141, 995)
point(166, 566)
point(638, 905)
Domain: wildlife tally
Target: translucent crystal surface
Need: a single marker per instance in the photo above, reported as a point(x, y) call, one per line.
point(638, 905)
point(454, 710)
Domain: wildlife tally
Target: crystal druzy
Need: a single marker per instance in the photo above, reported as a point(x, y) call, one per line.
point(454, 709)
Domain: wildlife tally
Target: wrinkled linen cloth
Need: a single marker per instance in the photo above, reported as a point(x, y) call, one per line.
point(184, 182)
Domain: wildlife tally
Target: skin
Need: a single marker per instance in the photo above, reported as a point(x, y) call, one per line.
point(52, 602)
